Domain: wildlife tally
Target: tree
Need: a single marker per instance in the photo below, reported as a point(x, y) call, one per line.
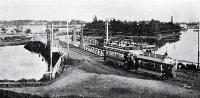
point(3, 29)
point(18, 29)
point(97, 27)
point(28, 31)
point(95, 18)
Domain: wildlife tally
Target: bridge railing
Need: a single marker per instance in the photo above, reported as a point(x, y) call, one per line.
point(94, 50)
point(56, 67)
point(58, 64)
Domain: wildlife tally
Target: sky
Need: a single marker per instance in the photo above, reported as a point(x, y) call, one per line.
point(131, 10)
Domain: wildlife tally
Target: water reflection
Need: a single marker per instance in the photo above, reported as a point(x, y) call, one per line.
point(185, 48)
point(163, 42)
point(16, 63)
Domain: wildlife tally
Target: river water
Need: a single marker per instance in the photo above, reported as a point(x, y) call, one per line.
point(16, 63)
point(184, 49)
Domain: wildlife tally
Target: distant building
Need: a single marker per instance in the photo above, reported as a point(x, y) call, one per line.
point(182, 25)
point(77, 22)
point(192, 25)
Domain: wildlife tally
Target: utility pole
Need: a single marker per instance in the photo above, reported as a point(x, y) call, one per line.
point(154, 50)
point(43, 28)
point(68, 38)
point(51, 44)
point(198, 45)
point(81, 37)
point(107, 31)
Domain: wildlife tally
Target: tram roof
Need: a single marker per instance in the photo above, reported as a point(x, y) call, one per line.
point(117, 50)
point(99, 47)
point(151, 60)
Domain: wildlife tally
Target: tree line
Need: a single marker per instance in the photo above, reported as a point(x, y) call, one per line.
point(118, 27)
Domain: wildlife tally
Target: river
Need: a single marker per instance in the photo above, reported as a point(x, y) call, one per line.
point(184, 49)
point(16, 63)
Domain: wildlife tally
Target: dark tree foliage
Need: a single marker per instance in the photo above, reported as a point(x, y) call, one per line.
point(3, 30)
point(28, 31)
point(117, 27)
point(18, 29)
point(96, 27)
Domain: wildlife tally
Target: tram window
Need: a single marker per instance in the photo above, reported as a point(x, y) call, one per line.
point(107, 52)
point(112, 53)
point(121, 55)
point(117, 54)
point(157, 67)
point(151, 65)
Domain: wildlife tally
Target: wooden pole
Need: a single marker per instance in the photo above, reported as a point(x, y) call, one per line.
point(107, 31)
point(68, 38)
point(198, 44)
point(81, 37)
point(51, 55)
point(43, 29)
point(154, 50)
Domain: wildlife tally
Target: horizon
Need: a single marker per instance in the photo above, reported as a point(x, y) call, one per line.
point(85, 10)
point(92, 20)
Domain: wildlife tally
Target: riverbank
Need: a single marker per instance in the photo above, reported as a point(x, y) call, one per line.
point(14, 40)
point(13, 43)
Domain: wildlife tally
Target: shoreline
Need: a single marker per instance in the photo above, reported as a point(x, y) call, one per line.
point(13, 43)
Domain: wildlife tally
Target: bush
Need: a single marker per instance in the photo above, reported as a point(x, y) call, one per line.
point(26, 80)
